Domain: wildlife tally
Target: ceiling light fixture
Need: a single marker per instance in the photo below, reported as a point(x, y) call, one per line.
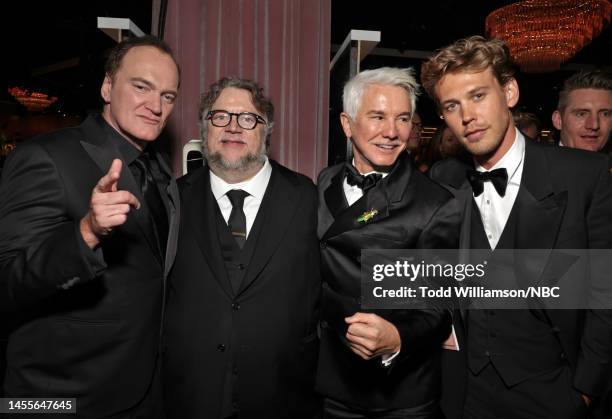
point(33, 101)
point(543, 34)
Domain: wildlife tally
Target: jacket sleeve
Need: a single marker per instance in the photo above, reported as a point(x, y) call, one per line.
point(41, 249)
point(426, 329)
point(594, 364)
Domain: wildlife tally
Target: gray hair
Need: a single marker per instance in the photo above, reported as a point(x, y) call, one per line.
point(393, 76)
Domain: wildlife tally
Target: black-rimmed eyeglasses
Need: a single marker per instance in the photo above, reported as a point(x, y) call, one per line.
point(246, 120)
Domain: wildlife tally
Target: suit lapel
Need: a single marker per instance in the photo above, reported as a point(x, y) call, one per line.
point(200, 218)
point(273, 221)
point(103, 152)
point(465, 196)
point(374, 206)
point(334, 195)
point(174, 209)
point(539, 212)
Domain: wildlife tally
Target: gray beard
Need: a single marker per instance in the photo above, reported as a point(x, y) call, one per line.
point(244, 164)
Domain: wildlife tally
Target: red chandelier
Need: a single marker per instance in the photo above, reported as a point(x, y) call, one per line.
point(33, 101)
point(543, 34)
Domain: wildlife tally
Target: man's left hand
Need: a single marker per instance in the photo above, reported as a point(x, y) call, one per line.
point(370, 335)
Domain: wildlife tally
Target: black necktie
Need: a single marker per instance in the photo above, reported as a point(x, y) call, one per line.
point(237, 219)
point(498, 177)
point(141, 169)
point(354, 178)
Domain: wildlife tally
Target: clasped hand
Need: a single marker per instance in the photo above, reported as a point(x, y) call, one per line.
point(369, 335)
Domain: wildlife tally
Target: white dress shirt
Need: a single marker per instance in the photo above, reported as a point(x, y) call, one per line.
point(255, 187)
point(494, 209)
point(353, 192)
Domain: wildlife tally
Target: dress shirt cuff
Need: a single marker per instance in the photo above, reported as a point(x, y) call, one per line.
point(387, 360)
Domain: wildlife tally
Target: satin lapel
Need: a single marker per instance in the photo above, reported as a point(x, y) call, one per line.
point(279, 205)
point(175, 210)
point(539, 211)
point(103, 152)
point(374, 205)
point(465, 196)
point(200, 218)
point(334, 195)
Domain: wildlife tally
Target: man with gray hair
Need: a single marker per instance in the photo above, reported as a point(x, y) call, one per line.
point(379, 363)
point(584, 112)
point(242, 311)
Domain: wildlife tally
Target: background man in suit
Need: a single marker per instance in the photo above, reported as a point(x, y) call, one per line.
point(382, 364)
point(519, 363)
point(584, 112)
point(86, 243)
point(243, 301)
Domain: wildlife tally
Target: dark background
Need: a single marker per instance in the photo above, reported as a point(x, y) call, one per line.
point(40, 35)
point(429, 25)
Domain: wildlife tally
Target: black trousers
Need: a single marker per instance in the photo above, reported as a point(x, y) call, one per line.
point(548, 395)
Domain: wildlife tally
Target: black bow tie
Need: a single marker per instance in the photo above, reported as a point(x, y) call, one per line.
point(354, 178)
point(498, 177)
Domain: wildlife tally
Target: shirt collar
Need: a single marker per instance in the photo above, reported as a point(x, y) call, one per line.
point(513, 158)
point(255, 186)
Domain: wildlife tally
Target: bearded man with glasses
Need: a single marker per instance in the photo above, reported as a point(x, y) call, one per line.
point(240, 334)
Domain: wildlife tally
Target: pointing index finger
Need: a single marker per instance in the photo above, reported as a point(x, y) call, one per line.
point(108, 182)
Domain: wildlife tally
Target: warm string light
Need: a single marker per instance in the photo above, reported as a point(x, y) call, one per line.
point(33, 101)
point(543, 34)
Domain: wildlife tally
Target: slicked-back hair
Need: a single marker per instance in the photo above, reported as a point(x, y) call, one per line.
point(262, 103)
point(392, 76)
point(594, 79)
point(116, 55)
point(472, 54)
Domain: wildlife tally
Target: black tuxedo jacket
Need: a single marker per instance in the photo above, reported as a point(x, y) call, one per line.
point(413, 213)
point(85, 324)
point(270, 322)
point(564, 202)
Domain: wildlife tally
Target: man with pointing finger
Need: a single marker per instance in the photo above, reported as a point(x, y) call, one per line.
point(88, 229)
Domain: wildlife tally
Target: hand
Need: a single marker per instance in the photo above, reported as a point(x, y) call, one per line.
point(369, 335)
point(108, 207)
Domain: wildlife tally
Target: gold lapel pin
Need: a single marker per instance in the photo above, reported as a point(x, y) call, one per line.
point(367, 216)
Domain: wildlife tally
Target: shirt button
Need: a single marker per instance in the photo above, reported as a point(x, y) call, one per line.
point(487, 353)
point(488, 202)
point(236, 306)
point(240, 266)
point(323, 245)
point(221, 347)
